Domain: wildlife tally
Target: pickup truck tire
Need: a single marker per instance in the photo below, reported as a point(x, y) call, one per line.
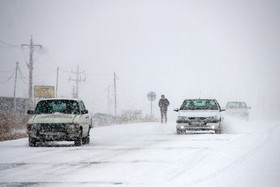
point(78, 141)
point(32, 142)
point(86, 140)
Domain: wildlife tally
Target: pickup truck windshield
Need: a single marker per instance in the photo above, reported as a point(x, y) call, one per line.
point(62, 106)
point(199, 104)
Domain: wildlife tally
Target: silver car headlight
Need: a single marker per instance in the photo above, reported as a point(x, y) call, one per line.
point(214, 119)
point(182, 119)
point(213, 127)
point(182, 127)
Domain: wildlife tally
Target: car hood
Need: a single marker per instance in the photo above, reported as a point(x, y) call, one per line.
point(199, 113)
point(53, 118)
point(236, 110)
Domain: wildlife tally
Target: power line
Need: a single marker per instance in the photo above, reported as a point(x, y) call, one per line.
point(65, 71)
point(25, 60)
point(9, 78)
point(6, 71)
point(51, 60)
point(77, 80)
point(8, 45)
point(49, 68)
point(20, 74)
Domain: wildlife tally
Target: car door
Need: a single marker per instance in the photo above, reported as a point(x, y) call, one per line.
point(86, 118)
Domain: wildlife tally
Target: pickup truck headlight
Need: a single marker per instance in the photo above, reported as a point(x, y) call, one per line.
point(29, 126)
point(72, 126)
point(32, 126)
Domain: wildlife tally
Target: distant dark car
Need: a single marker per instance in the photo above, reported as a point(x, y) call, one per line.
point(238, 109)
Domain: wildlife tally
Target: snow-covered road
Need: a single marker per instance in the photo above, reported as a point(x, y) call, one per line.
point(150, 154)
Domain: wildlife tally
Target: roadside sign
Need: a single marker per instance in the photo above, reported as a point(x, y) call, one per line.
point(151, 96)
point(44, 91)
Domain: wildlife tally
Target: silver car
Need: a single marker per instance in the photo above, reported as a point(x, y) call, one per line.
point(59, 120)
point(238, 109)
point(199, 115)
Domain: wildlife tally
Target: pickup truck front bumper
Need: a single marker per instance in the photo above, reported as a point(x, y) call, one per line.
point(54, 132)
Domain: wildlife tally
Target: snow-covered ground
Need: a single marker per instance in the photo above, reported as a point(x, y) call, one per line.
point(150, 154)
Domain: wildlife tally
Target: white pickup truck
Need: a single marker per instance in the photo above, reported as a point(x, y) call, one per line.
point(59, 120)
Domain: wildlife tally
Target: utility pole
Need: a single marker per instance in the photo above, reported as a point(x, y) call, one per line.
point(108, 99)
point(115, 93)
point(77, 80)
point(56, 82)
point(108, 102)
point(15, 100)
point(73, 92)
point(30, 67)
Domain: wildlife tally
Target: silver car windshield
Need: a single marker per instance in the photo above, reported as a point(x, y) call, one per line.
point(61, 106)
point(199, 104)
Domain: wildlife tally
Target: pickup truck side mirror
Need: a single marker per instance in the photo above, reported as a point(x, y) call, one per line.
point(30, 111)
point(176, 109)
point(84, 111)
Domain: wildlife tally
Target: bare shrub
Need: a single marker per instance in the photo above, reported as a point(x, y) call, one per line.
point(12, 125)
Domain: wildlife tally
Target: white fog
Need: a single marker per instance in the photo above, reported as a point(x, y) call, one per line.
point(225, 50)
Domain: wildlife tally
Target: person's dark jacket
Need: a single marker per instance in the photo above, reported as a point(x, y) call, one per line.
point(163, 104)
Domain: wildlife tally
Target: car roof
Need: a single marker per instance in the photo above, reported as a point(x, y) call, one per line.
point(236, 102)
point(52, 99)
point(200, 99)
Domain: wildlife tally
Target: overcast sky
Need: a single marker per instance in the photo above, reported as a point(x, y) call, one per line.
point(223, 49)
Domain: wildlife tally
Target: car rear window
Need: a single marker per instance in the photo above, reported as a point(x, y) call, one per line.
point(61, 106)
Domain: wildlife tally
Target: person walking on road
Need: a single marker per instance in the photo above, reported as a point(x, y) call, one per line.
point(163, 105)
